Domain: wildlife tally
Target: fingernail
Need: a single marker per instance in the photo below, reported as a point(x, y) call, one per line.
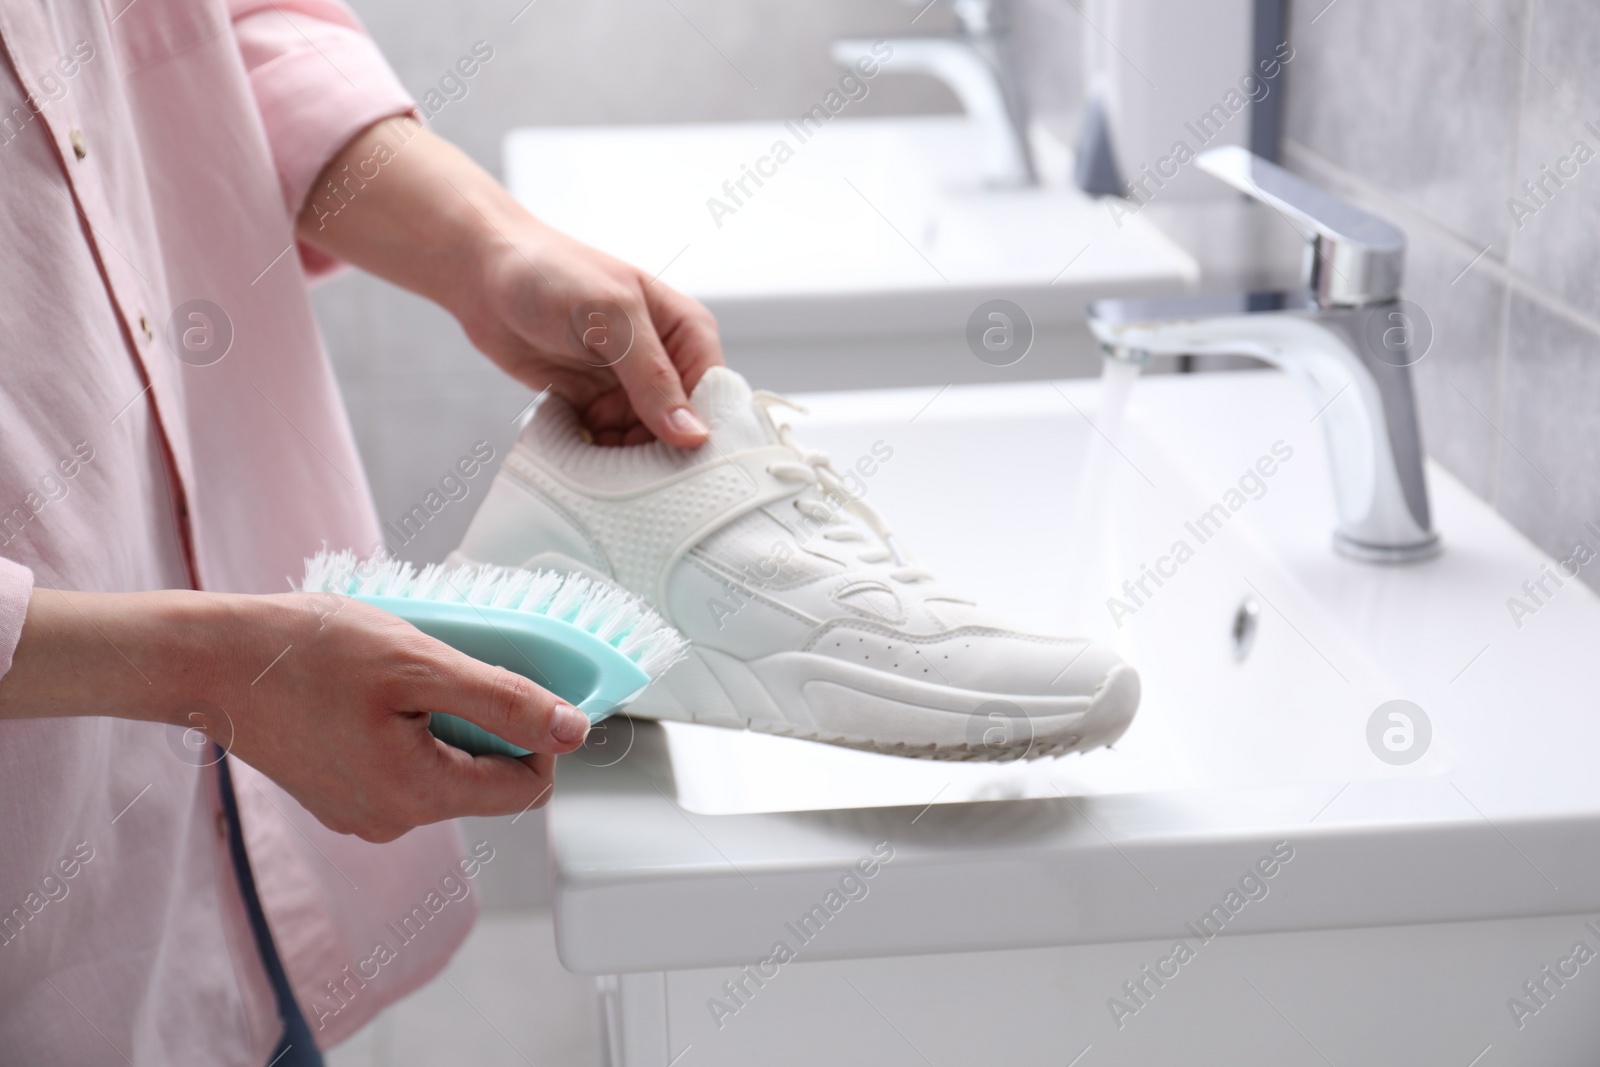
point(686, 422)
point(569, 725)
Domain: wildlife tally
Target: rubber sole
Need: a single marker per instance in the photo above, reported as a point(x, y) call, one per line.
point(832, 702)
point(1110, 713)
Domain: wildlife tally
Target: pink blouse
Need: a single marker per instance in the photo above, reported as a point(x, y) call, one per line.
point(168, 419)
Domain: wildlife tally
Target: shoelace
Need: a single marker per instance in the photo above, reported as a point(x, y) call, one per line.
point(814, 468)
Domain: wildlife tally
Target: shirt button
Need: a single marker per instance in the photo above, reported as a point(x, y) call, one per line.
point(79, 147)
point(144, 328)
point(222, 826)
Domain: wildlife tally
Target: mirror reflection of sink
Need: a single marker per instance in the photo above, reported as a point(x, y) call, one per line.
point(872, 231)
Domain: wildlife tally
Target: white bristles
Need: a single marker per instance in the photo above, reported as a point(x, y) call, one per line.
point(608, 611)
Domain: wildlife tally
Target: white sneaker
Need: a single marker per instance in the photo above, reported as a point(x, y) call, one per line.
point(807, 619)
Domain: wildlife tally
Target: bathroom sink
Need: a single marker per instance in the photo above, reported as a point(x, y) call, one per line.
point(983, 487)
point(873, 232)
point(659, 833)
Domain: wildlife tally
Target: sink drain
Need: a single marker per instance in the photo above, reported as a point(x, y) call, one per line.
point(1245, 621)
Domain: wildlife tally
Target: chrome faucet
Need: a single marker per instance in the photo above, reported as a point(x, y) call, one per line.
point(1346, 332)
point(973, 63)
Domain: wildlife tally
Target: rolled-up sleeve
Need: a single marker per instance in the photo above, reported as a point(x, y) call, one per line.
point(318, 80)
point(16, 589)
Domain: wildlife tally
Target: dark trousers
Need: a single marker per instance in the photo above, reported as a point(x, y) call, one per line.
point(295, 1048)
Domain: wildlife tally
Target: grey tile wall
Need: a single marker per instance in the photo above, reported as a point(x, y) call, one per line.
point(1550, 481)
point(1554, 246)
point(1419, 98)
point(1435, 113)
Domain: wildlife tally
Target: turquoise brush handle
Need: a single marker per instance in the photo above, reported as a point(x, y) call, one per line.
point(569, 661)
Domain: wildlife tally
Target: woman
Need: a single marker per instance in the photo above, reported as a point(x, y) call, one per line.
point(172, 445)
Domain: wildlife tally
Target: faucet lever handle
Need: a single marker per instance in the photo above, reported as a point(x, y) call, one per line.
point(1353, 259)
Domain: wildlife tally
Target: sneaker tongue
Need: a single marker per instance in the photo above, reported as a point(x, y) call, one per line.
point(724, 402)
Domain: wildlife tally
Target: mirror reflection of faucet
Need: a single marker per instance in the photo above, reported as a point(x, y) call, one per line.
point(974, 61)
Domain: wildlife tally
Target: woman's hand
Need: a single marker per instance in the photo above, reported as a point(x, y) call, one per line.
point(554, 313)
point(326, 696)
point(622, 349)
point(341, 720)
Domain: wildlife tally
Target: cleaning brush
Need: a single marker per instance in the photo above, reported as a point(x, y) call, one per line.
point(590, 642)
